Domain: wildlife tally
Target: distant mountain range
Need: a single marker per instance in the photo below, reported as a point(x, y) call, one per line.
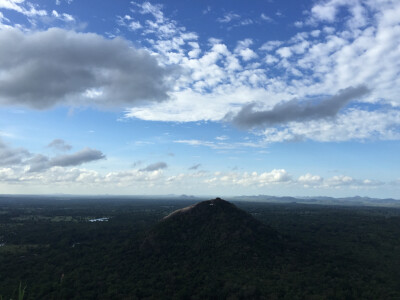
point(352, 201)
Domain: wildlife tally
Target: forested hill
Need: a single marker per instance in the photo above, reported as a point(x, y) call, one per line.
point(215, 230)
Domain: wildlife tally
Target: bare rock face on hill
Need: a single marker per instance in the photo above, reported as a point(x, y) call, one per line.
point(212, 229)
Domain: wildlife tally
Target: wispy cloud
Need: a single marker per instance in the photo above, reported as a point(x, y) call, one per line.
point(60, 145)
point(228, 17)
point(25, 8)
point(155, 167)
point(195, 167)
point(266, 18)
point(221, 145)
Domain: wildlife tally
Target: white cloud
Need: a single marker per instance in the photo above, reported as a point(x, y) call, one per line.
point(348, 181)
point(325, 12)
point(213, 145)
point(337, 182)
point(153, 179)
point(246, 22)
point(218, 80)
point(25, 8)
point(222, 138)
point(310, 180)
point(148, 8)
point(135, 25)
point(247, 54)
point(8, 174)
point(220, 145)
point(355, 124)
point(270, 59)
point(299, 24)
point(128, 22)
point(284, 52)
point(276, 176)
point(266, 18)
point(63, 16)
point(271, 45)
point(228, 17)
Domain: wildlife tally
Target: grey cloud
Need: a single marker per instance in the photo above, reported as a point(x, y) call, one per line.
point(295, 111)
point(12, 156)
point(154, 167)
point(40, 162)
point(78, 158)
point(195, 167)
point(60, 145)
point(44, 69)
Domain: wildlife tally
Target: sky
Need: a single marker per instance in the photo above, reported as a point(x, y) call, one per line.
point(222, 98)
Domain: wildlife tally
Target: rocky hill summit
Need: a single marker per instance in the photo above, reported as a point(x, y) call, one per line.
point(211, 228)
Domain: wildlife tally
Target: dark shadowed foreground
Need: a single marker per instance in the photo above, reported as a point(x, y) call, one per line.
point(164, 249)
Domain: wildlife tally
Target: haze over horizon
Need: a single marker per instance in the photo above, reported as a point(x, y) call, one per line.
point(285, 98)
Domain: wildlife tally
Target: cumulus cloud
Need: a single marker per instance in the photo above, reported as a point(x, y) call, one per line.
point(243, 50)
point(344, 180)
point(337, 182)
point(328, 11)
point(310, 180)
point(60, 145)
point(295, 111)
point(56, 66)
point(155, 167)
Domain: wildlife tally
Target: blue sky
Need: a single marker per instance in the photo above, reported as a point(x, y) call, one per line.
point(220, 98)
